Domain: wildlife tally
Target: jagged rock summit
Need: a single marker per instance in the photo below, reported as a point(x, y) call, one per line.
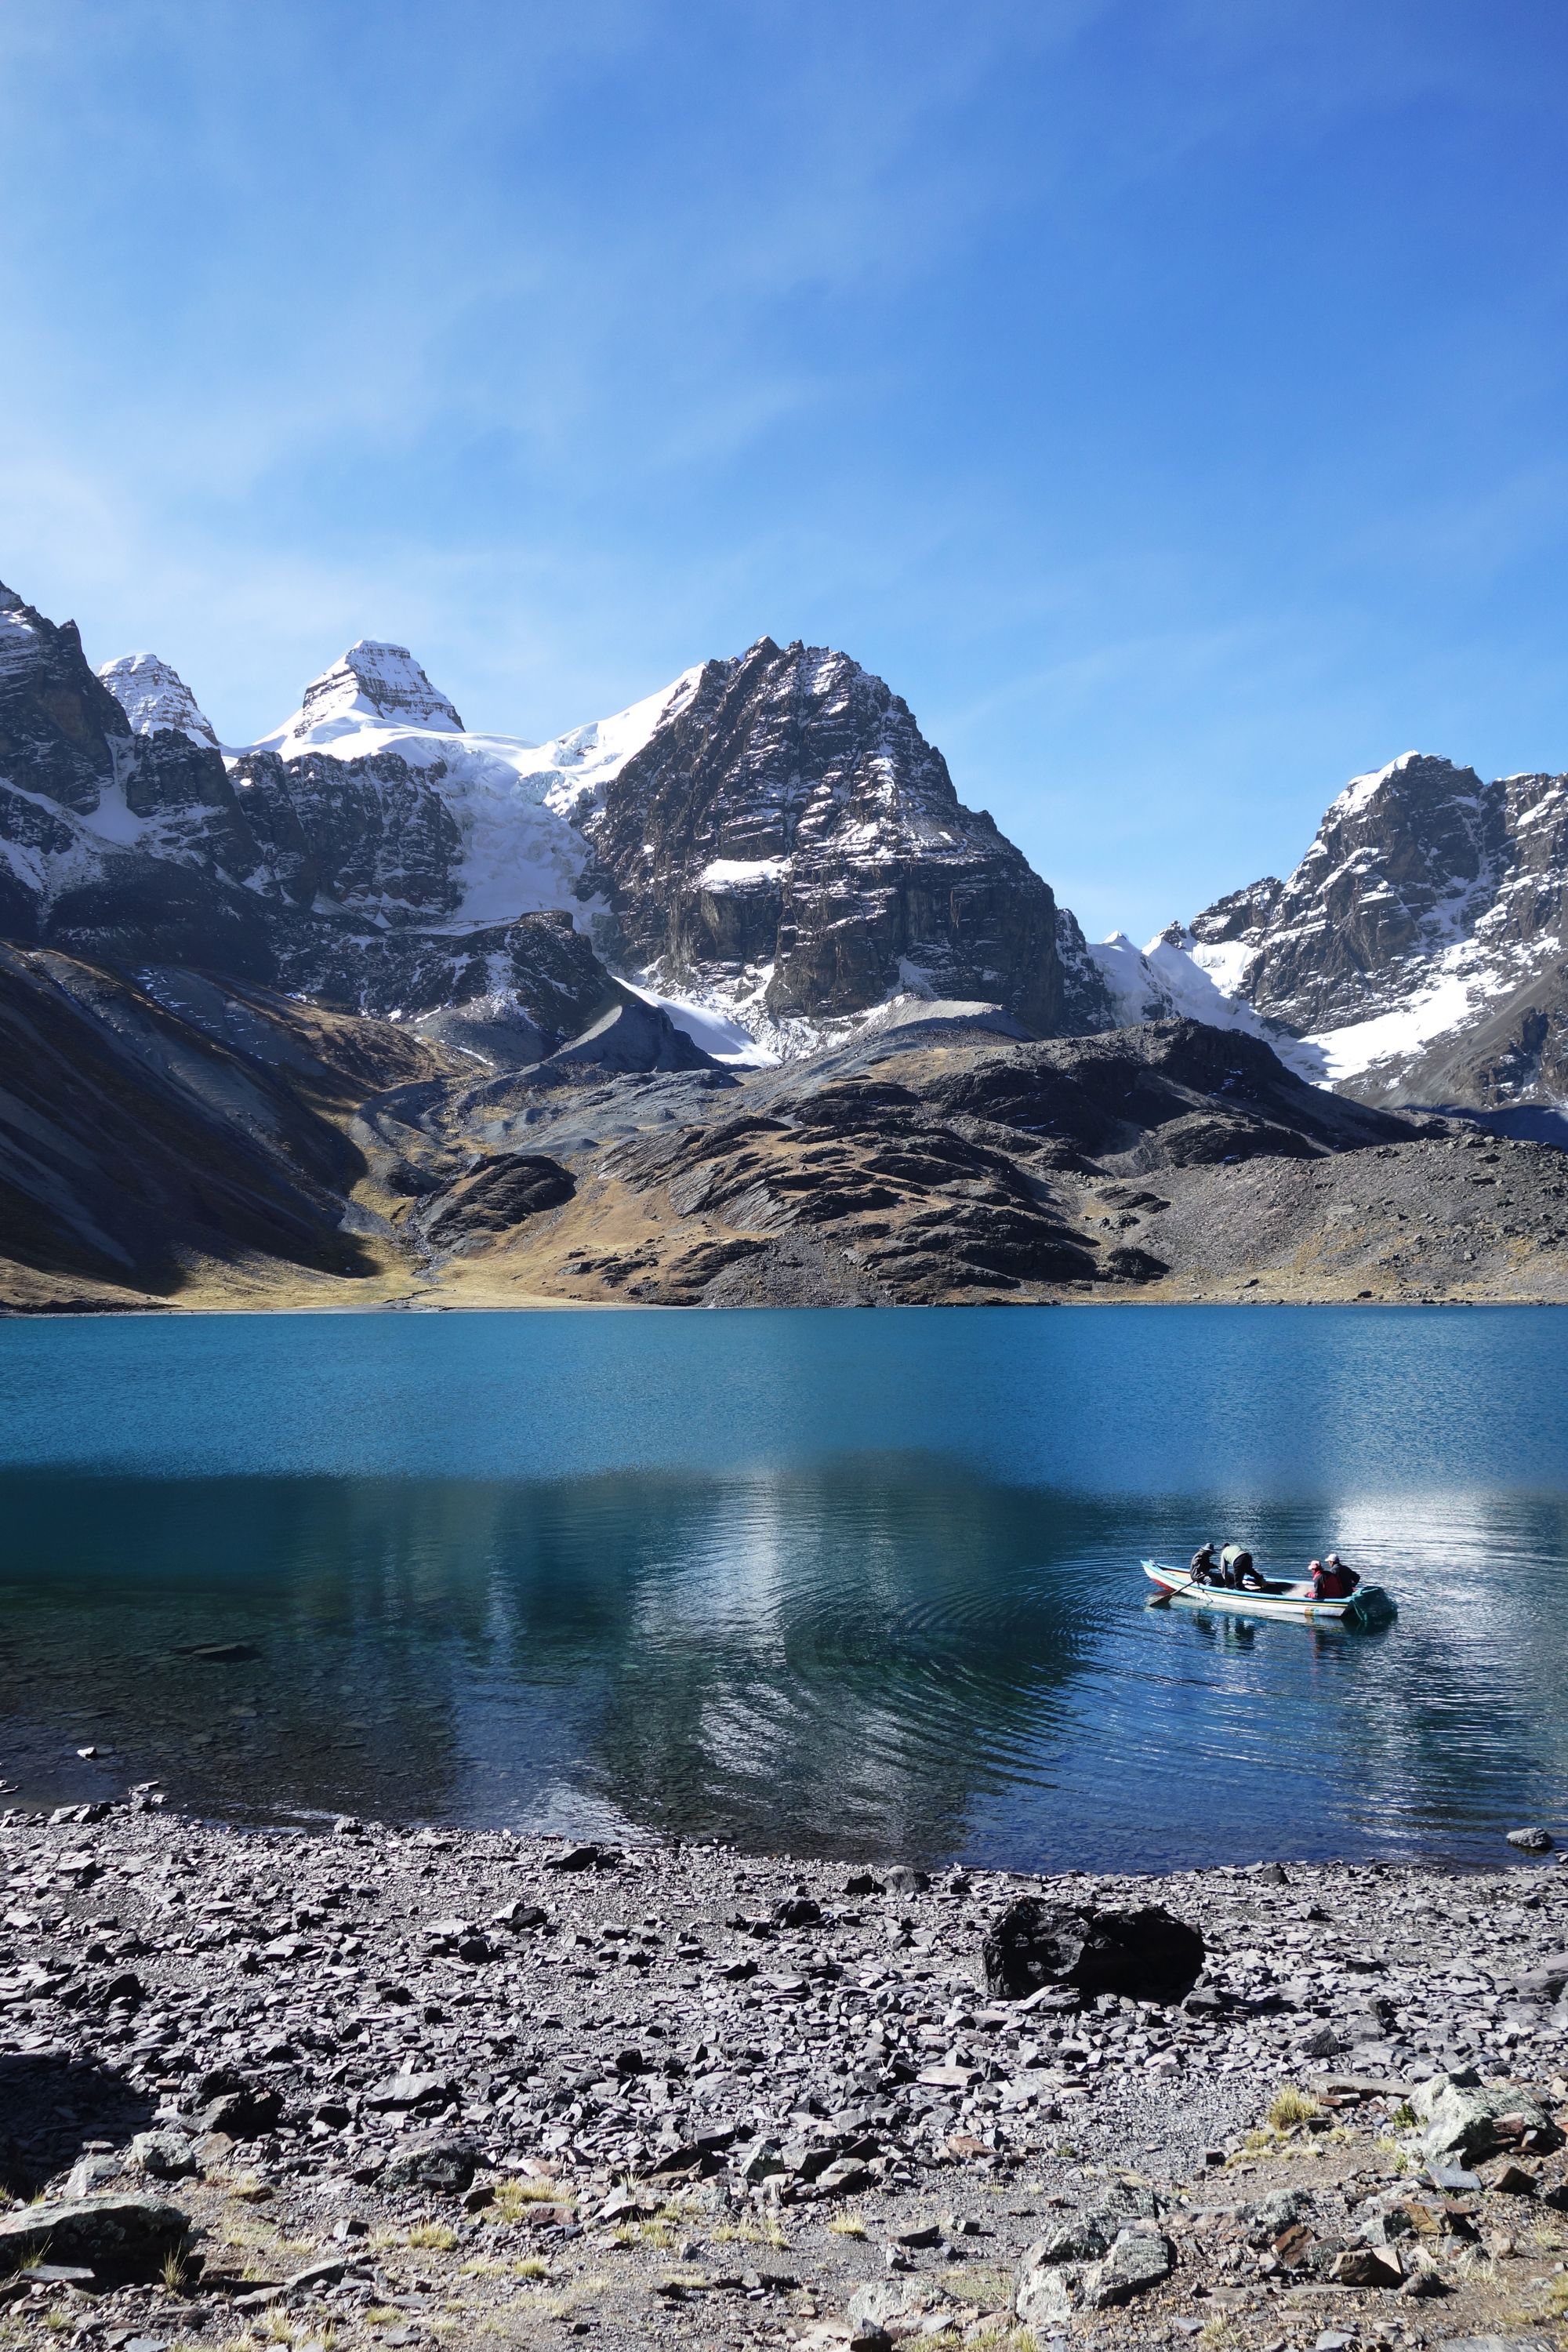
point(1419, 952)
point(788, 844)
point(768, 846)
point(128, 839)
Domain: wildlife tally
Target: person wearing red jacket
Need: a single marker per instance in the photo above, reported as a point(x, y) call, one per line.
point(1331, 1579)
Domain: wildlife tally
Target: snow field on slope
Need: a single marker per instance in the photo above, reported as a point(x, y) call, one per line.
point(512, 801)
point(1167, 982)
point(726, 1040)
point(1463, 986)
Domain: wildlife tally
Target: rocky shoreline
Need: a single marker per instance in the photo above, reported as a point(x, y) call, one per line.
point(362, 2085)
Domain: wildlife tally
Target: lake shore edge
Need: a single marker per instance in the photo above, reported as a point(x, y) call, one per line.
point(677, 2092)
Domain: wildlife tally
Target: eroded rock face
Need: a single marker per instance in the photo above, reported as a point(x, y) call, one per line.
point(773, 831)
point(112, 842)
point(126, 840)
point(372, 836)
point(1400, 859)
point(789, 833)
point(496, 1196)
point(860, 1162)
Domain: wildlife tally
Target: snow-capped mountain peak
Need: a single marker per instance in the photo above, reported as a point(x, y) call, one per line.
point(373, 684)
point(1362, 790)
point(513, 804)
point(1418, 952)
point(588, 758)
point(154, 697)
point(1178, 977)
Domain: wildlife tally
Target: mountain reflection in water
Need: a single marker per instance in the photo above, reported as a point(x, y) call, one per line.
point(932, 1651)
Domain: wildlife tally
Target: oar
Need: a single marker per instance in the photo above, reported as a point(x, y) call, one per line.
point(1163, 1600)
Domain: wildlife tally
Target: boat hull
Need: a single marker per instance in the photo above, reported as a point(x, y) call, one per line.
point(1369, 1605)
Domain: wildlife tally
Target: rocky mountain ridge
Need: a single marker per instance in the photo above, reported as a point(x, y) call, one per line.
point(541, 969)
point(1419, 952)
point(769, 847)
point(128, 839)
point(770, 838)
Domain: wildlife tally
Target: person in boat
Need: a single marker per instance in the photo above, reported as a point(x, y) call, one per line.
point(1238, 1570)
point(1331, 1579)
point(1201, 1568)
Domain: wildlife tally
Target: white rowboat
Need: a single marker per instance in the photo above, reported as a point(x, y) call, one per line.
point(1369, 1605)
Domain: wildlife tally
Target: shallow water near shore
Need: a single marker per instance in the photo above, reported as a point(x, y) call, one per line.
point(832, 1583)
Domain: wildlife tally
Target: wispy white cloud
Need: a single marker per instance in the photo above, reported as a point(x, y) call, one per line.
point(573, 344)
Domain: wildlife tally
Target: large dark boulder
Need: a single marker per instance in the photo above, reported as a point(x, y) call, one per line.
point(1146, 1954)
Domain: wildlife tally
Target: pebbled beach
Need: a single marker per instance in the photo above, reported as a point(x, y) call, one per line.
point(402, 2084)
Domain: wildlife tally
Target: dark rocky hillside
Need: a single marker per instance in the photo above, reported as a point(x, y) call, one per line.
point(138, 1144)
point(941, 1160)
point(194, 1140)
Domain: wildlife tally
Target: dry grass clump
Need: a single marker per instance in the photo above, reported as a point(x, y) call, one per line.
point(661, 2233)
point(750, 2233)
point(991, 2288)
point(517, 2192)
point(439, 2237)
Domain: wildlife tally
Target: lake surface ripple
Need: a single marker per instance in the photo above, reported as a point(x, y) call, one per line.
point(838, 1583)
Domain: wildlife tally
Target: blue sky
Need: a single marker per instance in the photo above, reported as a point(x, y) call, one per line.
point(1169, 399)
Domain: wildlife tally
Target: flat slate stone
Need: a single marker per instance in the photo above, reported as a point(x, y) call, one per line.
point(125, 2233)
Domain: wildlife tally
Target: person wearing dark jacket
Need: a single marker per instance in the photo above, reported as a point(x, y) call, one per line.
point(1200, 1567)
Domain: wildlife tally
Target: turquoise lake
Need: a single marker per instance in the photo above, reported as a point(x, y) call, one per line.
point(854, 1584)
